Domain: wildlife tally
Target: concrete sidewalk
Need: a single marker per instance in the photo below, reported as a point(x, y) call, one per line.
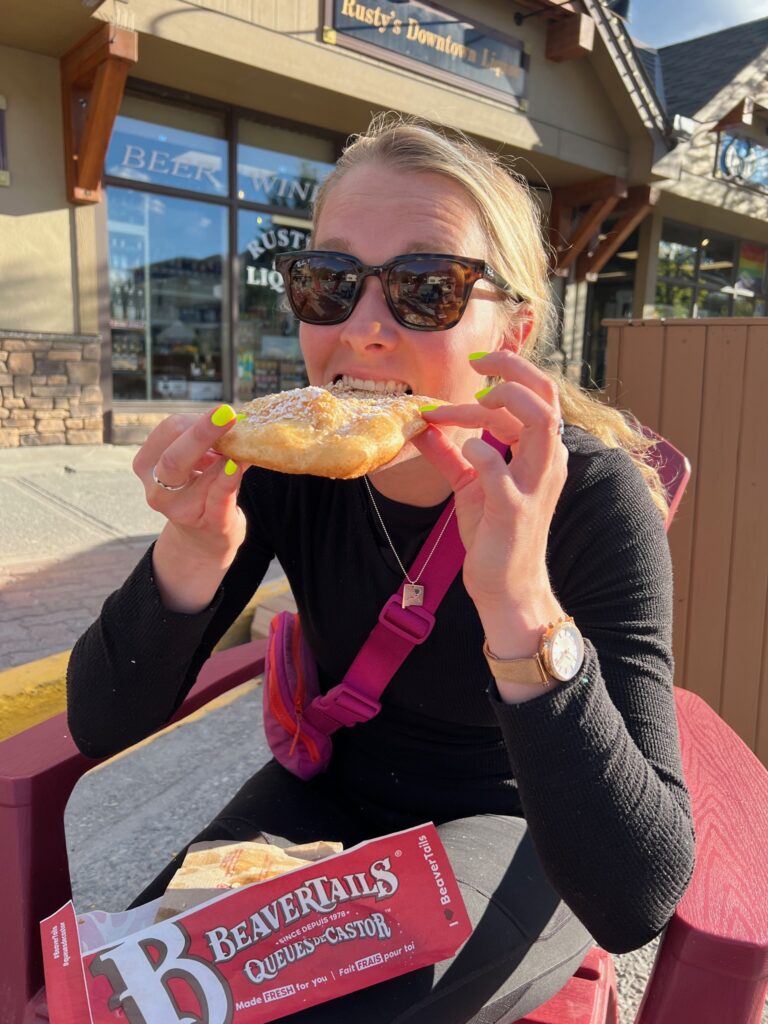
point(73, 524)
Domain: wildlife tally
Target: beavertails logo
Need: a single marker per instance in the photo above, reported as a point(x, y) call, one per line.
point(155, 969)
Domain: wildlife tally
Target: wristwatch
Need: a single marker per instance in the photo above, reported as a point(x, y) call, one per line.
point(560, 656)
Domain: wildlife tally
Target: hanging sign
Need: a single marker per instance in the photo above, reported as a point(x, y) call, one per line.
point(433, 41)
point(742, 160)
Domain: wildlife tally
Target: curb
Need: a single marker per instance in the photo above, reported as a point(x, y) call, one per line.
point(36, 691)
point(31, 693)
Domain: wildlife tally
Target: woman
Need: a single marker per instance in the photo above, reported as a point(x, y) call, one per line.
point(560, 801)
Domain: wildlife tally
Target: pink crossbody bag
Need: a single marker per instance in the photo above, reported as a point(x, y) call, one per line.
point(298, 720)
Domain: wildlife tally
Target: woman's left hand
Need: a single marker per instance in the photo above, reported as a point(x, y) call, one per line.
point(504, 510)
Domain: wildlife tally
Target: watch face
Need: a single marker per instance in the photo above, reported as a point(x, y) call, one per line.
point(565, 651)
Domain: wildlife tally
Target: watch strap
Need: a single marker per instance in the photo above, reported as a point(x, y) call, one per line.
point(522, 671)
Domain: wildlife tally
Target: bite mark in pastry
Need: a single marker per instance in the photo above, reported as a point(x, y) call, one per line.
point(333, 431)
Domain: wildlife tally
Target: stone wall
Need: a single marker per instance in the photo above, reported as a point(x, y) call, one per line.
point(49, 389)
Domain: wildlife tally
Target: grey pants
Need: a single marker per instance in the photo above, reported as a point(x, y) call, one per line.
point(525, 945)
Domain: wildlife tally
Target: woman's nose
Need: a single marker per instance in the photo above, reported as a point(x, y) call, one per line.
point(370, 322)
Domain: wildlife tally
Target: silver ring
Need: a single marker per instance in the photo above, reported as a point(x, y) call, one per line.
point(559, 429)
point(168, 487)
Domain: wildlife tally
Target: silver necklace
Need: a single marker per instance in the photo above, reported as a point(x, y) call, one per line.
point(413, 593)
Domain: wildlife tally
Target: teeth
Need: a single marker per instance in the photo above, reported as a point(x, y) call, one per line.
point(383, 386)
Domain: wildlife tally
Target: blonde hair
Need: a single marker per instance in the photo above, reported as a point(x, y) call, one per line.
point(510, 219)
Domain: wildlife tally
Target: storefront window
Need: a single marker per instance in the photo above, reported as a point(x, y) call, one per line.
point(168, 296)
point(268, 354)
point(170, 146)
point(716, 266)
point(712, 304)
point(706, 275)
point(173, 222)
point(674, 301)
point(678, 252)
point(276, 167)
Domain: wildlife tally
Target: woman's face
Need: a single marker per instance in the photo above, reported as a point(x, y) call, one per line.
point(375, 213)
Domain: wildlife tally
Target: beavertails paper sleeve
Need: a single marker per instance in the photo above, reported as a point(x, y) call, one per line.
point(263, 951)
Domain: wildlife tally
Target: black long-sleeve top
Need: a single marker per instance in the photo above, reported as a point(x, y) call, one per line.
point(593, 764)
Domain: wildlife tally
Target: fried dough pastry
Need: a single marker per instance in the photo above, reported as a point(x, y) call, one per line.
point(331, 431)
point(210, 867)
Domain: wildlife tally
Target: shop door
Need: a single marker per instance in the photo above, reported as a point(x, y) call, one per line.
point(609, 298)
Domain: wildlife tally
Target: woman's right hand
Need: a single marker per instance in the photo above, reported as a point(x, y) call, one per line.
point(205, 526)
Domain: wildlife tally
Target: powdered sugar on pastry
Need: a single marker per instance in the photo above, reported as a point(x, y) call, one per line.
point(332, 431)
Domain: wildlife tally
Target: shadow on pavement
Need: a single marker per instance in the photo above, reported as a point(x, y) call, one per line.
point(128, 817)
point(46, 605)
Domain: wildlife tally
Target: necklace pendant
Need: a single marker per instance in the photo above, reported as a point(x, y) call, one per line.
point(412, 594)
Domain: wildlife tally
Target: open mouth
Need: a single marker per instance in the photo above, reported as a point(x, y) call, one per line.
point(388, 387)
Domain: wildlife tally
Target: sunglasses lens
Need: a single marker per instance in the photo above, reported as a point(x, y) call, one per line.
point(322, 288)
point(428, 294)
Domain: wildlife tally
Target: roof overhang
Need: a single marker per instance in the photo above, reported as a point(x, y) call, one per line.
point(743, 115)
point(49, 27)
point(615, 61)
point(639, 88)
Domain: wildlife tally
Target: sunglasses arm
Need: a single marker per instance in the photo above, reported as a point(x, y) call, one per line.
point(495, 278)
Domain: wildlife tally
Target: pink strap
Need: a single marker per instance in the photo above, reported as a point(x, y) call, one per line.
point(356, 698)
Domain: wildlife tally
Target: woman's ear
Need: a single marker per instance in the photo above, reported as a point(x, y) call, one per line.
point(518, 330)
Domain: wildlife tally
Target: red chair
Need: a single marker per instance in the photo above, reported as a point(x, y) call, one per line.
point(712, 963)
point(673, 468)
point(38, 771)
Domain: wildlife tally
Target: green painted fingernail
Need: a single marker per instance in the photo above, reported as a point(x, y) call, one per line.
point(483, 392)
point(242, 416)
point(428, 408)
point(230, 467)
point(476, 355)
point(223, 415)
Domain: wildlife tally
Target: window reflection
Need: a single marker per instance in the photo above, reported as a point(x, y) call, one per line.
point(268, 353)
point(282, 168)
point(716, 265)
point(711, 304)
point(170, 146)
point(701, 274)
point(172, 266)
point(673, 300)
point(750, 287)
point(167, 296)
point(678, 252)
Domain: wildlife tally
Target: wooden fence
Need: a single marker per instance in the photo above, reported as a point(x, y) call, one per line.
point(703, 384)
